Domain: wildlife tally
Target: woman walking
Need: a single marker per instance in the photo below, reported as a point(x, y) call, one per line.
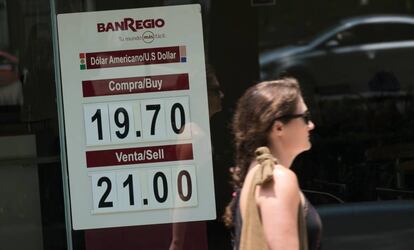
point(271, 127)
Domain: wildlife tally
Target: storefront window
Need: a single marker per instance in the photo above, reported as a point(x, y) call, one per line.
point(352, 59)
point(355, 75)
point(32, 207)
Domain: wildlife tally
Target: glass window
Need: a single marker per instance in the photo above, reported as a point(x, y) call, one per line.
point(361, 100)
point(358, 35)
point(30, 173)
point(186, 235)
point(398, 32)
point(360, 97)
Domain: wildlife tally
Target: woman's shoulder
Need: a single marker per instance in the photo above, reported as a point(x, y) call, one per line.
point(284, 189)
point(285, 184)
point(283, 176)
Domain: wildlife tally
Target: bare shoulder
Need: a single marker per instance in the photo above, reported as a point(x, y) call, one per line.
point(285, 178)
point(285, 186)
point(278, 203)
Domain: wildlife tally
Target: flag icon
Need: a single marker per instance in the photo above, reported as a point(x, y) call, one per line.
point(82, 59)
point(183, 54)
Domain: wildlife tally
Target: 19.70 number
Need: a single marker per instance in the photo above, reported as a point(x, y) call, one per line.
point(134, 121)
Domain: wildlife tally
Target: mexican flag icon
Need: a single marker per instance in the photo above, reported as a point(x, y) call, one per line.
point(82, 59)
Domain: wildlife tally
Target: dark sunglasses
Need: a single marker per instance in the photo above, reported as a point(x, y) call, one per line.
point(305, 116)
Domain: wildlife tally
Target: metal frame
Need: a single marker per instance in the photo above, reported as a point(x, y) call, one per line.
point(62, 137)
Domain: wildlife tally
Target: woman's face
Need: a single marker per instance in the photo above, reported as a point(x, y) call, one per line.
point(296, 132)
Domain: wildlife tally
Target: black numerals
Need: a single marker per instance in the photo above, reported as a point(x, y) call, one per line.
point(128, 182)
point(160, 198)
point(181, 175)
point(102, 201)
point(180, 108)
point(143, 189)
point(121, 124)
point(137, 121)
point(97, 117)
point(156, 108)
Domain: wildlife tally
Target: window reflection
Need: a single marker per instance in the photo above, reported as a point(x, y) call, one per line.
point(356, 78)
point(28, 127)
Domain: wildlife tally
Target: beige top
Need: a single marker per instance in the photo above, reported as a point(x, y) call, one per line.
point(252, 233)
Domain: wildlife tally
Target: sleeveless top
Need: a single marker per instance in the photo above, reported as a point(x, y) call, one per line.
point(252, 235)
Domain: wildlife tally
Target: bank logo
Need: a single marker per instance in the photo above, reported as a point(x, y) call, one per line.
point(148, 37)
point(130, 24)
point(82, 59)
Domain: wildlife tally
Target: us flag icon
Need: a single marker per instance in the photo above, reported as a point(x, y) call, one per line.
point(183, 54)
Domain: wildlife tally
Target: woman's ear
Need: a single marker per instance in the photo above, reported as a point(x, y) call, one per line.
point(277, 128)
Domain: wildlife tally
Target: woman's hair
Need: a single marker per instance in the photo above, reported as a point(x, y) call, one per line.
point(210, 73)
point(254, 116)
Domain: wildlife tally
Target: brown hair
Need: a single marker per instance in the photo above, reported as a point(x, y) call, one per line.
point(253, 119)
point(210, 74)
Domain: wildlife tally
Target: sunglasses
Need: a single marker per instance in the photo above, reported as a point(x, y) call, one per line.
point(305, 116)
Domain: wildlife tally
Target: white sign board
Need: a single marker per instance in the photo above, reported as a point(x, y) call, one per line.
point(136, 116)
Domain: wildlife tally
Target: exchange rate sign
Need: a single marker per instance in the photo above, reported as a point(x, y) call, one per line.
point(136, 116)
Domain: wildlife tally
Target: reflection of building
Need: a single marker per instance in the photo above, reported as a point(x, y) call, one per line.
point(35, 61)
point(11, 94)
point(10, 85)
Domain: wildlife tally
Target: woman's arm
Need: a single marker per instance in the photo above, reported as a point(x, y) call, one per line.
point(278, 205)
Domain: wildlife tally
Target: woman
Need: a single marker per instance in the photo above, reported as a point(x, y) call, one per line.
point(271, 127)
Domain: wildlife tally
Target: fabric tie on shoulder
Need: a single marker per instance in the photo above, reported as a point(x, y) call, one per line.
point(266, 163)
